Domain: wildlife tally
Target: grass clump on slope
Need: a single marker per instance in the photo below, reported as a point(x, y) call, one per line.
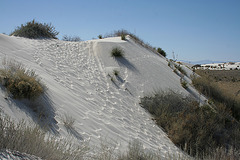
point(32, 140)
point(197, 130)
point(35, 30)
point(20, 82)
point(117, 52)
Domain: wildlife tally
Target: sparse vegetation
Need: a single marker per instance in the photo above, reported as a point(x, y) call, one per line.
point(184, 84)
point(139, 41)
point(220, 88)
point(197, 130)
point(136, 152)
point(35, 30)
point(20, 82)
point(68, 121)
point(34, 141)
point(116, 72)
point(117, 52)
point(112, 79)
point(71, 38)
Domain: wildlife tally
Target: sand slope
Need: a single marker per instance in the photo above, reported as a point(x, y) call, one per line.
point(81, 84)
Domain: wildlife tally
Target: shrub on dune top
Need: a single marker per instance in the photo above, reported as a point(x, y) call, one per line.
point(162, 52)
point(139, 41)
point(100, 36)
point(71, 38)
point(123, 37)
point(35, 30)
point(19, 82)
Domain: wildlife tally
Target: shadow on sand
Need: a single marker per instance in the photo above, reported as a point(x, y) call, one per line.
point(40, 110)
point(124, 62)
point(73, 132)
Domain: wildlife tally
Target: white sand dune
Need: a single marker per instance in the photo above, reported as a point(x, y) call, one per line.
point(78, 78)
point(221, 66)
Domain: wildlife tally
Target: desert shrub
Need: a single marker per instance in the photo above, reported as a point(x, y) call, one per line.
point(210, 89)
point(184, 84)
point(35, 30)
point(117, 52)
point(20, 82)
point(123, 37)
point(162, 52)
point(100, 36)
point(223, 153)
point(136, 152)
point(34, 141)
point(71, 38)
point(194, 129)
point(138, 40)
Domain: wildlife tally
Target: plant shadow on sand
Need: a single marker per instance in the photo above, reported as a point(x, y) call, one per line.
point(120, 79)
point(40, 110)
point(75, 133)
point(122, 61)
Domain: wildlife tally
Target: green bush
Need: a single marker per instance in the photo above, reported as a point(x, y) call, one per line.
point(197, 130)
point(117, 52)
point(162, 52)
point(35, 30)
point(123, 37)
point(21, 83)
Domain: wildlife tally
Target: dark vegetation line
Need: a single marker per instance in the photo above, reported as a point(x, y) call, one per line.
point(123, 33)
point(208, 86)
point(197, 130)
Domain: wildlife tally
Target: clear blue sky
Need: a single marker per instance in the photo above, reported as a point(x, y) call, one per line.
point(193, 29)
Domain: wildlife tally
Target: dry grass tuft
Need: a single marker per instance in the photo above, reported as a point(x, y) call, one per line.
point(34, 141)
point(20, 82)
point(194, 129)
point(68, 121)
point(210, 85)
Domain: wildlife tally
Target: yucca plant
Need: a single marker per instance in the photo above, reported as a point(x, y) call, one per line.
point(117, 52)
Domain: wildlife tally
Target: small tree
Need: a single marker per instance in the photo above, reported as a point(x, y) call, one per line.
point(162, 52)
